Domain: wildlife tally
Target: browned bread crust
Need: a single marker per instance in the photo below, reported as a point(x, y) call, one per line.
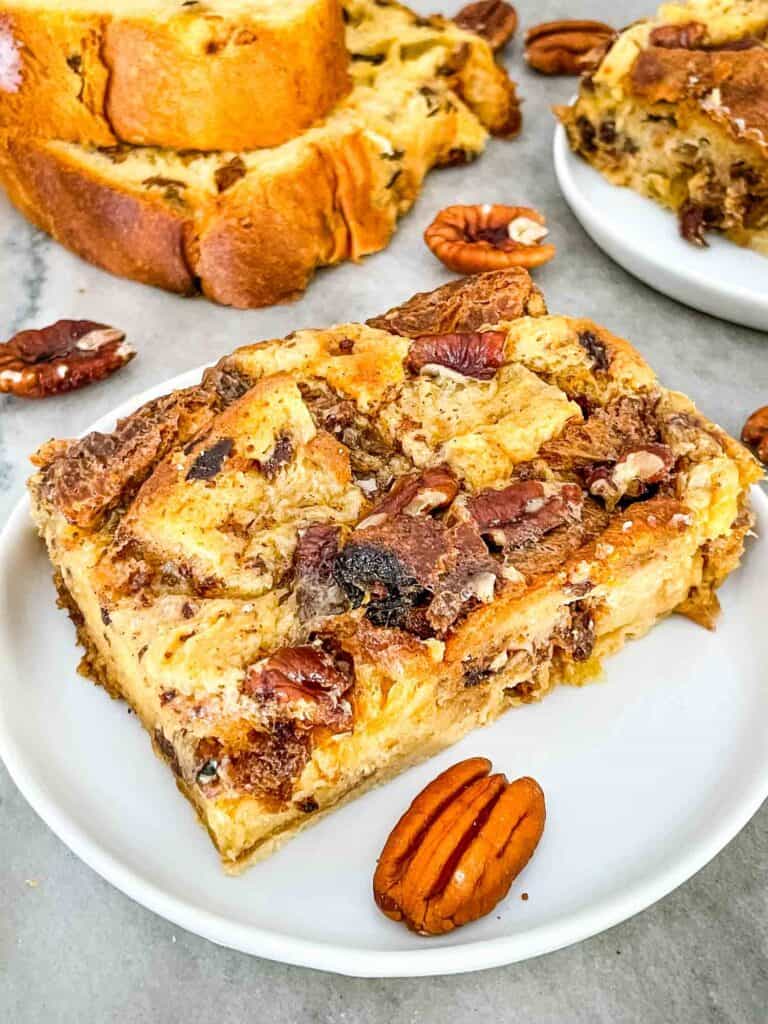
point(249, 229)
point(194, 78)
point(344, 549)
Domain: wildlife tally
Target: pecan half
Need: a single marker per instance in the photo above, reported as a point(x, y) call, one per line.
point(631, 474)
point(561, 47)
point(305, 685)
point(477, 355)
point(466, 305)
point(688, 36)
point(494, 20)
point(317, 592)
point(473, 239)
point(61, 357)
point(457, 849)
point(523, 512)
point(755, 433)
point(414, 494)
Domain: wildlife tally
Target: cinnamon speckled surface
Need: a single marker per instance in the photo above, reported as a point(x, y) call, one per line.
point(73, 949)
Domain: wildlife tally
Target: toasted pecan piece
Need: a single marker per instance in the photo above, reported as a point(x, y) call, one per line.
point(755, 433)
point(477, 355)
point(457, 849)
point(563, 47)
point(473, 239)
point(493, 20)
point(466, 305)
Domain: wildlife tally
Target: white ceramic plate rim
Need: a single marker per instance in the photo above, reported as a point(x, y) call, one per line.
point(452, 959)
point(700, 275)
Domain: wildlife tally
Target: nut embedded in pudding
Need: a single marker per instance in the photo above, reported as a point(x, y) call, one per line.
point(61, 357)
point(562, 47)
point(474, 239)
point(493, 20)
point(755, 433)
point(457, 849)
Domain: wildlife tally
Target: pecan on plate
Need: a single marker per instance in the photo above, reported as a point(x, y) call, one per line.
point(61, 357)
point(564, 47)
point(473, 239)
point(304, 685)
point(755, 433)
point(473, 354)
point(457, 849)
point(493, 20)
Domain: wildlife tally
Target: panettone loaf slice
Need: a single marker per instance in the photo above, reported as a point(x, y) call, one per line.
point(198, 75)
point(249, 228)
point(300, 580)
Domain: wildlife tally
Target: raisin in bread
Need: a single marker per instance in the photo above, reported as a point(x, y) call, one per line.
point(249, 228)
point(344, 549)
point(677, 109)
point(197, 75)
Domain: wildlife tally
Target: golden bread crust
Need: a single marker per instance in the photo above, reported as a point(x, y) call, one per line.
point(196, 80)
point(332, 559)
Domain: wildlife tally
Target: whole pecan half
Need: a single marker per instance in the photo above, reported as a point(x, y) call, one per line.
point(305, 685)
point(477, 355)
point(494, 20)
point(473, 239)
point(61, 357)
point(457, 849)
point(755, 433)
point(561, 47)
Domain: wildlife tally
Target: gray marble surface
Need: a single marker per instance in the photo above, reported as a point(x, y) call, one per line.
point(73, 949)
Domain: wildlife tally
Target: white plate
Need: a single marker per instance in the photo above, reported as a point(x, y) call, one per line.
point(724, 279)
point(647, 777)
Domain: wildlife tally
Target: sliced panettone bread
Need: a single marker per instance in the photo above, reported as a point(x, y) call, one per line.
point(343, 550)
point(249, 228)
point(197, 75)
point(677, 109)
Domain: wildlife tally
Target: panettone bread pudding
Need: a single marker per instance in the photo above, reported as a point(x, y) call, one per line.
point(249, 228)
point(218, 74)
point(343, 550)
point(677, 109)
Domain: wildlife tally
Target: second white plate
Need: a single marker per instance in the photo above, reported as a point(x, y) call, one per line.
point(723, 280)
point(647, 777)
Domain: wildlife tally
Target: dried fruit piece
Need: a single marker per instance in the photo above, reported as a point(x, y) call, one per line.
point(477, 355)
point(305, 685)
point(61, 357)
point(755, 433)
point(473, 239)
point(561, 47)
point(457, 849)
point(494, 20)
point(317, 592)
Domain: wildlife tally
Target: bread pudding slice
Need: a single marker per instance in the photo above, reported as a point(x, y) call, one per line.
point(249, 227)
point(344, 549)
point(677, 109)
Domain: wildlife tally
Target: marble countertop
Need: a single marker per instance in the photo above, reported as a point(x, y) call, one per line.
point(72, 948)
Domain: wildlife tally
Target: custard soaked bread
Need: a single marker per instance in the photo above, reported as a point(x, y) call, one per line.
point(198, 75)
point(343, 550)
point(249, 228)
point(677, 109)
